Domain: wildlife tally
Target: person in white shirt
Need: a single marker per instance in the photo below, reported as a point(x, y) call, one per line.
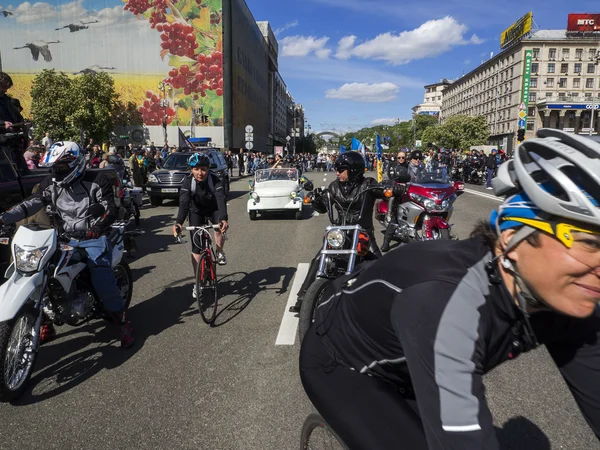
point(47, 141)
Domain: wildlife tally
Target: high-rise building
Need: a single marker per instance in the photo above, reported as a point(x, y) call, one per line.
point(551, 75)
point(432, 100)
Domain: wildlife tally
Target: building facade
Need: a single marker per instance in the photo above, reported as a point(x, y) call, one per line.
point(563, 87)
point(432, 100)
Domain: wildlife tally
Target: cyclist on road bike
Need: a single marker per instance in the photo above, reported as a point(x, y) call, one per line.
point(202, 197)
point(430, 319)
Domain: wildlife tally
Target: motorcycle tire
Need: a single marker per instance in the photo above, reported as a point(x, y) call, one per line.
point(126, 272)
point(311, 299)
point(7, 392)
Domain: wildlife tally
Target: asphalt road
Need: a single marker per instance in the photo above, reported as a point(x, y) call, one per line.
point(186, 385)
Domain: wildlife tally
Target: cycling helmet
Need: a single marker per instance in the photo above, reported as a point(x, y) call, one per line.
point(555, 176)
point(199, 160)
point(66, 160)
point(353, 162)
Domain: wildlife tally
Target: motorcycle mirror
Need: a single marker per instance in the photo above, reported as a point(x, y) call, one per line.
point(308, 186)
point(96, 210)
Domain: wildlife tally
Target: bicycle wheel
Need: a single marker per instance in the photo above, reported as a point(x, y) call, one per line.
point(206, 288)
point(316, 435)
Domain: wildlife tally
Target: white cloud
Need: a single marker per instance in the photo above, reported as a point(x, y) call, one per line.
point(383, 121)
point(432, 38)
point(365, 92)
point(345, 45)
point(43, 12)
point(305, 45)
point(467, 62)
point(287, 26)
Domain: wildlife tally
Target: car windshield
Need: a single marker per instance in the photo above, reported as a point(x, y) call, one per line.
point(176, 162)
point(433, 177)
point(276, 174)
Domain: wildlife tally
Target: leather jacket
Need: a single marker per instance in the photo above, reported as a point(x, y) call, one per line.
point(361, 212)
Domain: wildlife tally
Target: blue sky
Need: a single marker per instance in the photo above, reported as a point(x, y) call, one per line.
point(347, 82)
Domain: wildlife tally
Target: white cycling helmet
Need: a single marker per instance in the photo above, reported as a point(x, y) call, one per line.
point(66, 160)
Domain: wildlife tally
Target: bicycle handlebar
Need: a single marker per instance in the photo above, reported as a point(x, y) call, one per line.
point(204, 227)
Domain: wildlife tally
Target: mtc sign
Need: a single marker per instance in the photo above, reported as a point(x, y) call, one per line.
point(580, 23)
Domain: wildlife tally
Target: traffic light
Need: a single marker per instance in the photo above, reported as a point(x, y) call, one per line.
point(521, 135)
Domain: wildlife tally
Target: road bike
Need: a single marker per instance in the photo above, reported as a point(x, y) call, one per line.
point(316, 434)
point(206, 272)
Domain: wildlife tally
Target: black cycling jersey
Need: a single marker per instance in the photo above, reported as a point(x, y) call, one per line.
point(432, 310)
point(202, 199)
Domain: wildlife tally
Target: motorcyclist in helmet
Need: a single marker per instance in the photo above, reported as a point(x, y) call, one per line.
point(70, 189)
point(350, 183)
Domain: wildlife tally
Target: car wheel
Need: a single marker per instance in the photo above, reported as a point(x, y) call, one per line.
point(156, 201)
point(253, 215)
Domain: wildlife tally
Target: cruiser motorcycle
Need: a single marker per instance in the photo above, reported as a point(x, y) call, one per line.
point(422, 212)
point(48, 280)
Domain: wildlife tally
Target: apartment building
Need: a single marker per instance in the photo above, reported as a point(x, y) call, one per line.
point(432, 99)
point(563, 88)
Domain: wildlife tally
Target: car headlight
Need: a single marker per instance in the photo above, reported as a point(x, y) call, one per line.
point(28, 260)
point(152, 178)
point(335, 238)
point(254, 196)
point(293, 194)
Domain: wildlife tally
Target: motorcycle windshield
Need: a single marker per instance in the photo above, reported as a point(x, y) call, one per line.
point(433, 177)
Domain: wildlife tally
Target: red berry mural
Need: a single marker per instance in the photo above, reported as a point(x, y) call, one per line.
point(191, 41)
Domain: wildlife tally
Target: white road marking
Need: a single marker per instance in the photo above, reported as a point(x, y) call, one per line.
point(289, 322)
point(484, 195)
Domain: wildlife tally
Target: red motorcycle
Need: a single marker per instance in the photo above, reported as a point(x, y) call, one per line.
point(424, 209)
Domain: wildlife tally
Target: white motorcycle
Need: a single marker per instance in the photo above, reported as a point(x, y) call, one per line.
point(49, 278)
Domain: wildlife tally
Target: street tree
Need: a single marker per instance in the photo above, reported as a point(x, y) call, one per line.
point(458, 132)
point(126, 114)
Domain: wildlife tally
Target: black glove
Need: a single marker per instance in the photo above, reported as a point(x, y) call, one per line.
point(398, 189)
point(178, 228)
point(94, 232)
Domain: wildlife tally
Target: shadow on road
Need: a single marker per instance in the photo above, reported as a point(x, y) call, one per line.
point(152, 241)
point(238, 289)
point(519, 433)
point(232, 195)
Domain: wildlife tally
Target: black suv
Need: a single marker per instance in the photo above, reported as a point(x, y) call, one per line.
point(166, 182)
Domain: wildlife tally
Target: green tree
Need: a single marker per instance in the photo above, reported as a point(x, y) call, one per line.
point(51, 105)
point(94, 100)
point(459, 132)
point(126, 114)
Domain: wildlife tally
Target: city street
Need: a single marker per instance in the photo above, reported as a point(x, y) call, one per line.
point(187, 385)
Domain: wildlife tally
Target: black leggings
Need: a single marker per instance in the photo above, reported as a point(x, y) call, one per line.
point(366, 412)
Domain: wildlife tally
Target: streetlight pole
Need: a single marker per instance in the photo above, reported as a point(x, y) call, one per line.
point(594, 99)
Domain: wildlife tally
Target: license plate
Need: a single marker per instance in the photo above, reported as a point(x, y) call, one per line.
point(169, 190)
point(4, 241)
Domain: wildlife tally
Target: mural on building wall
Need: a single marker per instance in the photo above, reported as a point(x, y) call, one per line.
point(153, 49)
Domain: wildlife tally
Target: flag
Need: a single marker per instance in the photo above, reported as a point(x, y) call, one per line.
point(378, 147)
point(183, 141)
point(363, 150)
point(356, 144)
point(342, 149)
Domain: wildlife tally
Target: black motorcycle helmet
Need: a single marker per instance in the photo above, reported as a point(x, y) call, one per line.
point(353, 162)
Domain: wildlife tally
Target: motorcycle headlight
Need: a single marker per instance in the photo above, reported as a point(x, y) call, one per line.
point(293, 194)
point(152, 178)
point(335, 238)
point(254, 196)
point(429, 204)
point(28, 260)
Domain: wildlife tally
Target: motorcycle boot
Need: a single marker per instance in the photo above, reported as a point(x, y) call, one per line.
point(125, 329)
point(387, 238)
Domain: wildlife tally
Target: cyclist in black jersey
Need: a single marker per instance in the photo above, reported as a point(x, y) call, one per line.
point(202, 197)
point(397, 352)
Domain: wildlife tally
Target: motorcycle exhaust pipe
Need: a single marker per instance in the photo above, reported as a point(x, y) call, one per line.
point(388, 214)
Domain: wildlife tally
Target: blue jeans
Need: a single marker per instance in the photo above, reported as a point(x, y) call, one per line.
point(490, 174)
point(101, 272)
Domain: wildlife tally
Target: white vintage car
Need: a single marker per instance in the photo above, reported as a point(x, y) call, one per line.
point(276, 190)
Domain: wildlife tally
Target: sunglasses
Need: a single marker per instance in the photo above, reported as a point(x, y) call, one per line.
point(583, 244)
point(340, 169)
point(401, 157)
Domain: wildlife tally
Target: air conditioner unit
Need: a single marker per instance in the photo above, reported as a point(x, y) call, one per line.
point(536, 58)
point(579, 58)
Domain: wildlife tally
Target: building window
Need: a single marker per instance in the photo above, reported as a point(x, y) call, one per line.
point(550, 82)
point(552, 53)
point(536, 53)
point(576, 83)
point(531, 111)
point(564, 67)
point(589, 83)
point(577, 68)
point(592, 53)
point(512, 72)
point(578, 53)
point(574, 94)
point(535, 67)
point(588, 95)
point(562, 83)
point(530, 125)
point(533, 82)
point(548, 94)
point(532, 97)
point(550, 67)
point(590, 68)
point(566, 53)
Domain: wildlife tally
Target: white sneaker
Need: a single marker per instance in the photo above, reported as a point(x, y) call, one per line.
point(194, 293)
point(489, 188)
point(221, 259)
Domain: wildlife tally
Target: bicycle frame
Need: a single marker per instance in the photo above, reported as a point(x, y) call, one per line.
point(205, 238)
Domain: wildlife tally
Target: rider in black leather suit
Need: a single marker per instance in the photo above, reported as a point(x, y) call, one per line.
point(351, 182)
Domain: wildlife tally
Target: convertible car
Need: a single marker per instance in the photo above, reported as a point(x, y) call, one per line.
point(276, 190)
